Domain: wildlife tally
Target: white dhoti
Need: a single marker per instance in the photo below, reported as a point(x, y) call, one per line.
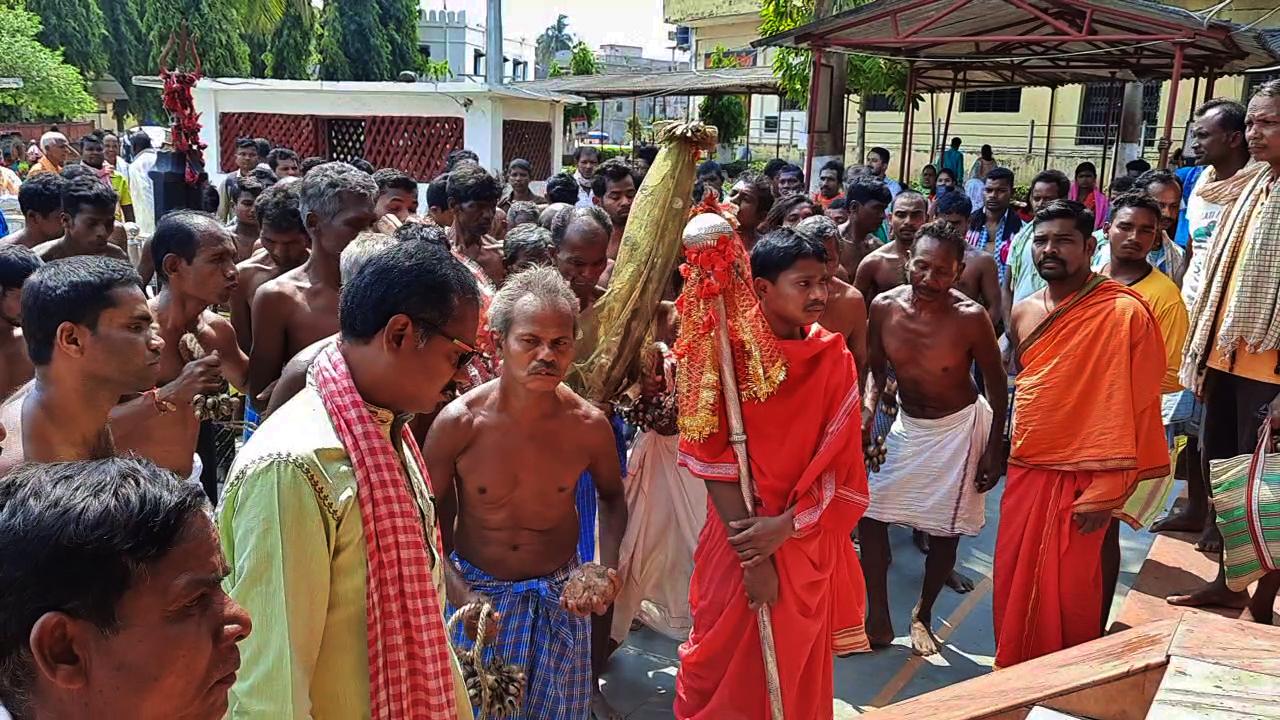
point(927, 478)
point(666, 508)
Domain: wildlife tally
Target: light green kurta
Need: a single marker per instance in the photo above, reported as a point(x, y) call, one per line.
point(291, 529)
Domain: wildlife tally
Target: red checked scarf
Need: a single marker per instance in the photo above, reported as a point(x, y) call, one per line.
point(410, 676)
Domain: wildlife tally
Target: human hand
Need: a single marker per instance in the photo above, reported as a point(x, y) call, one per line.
point(761, 583)
point(198, 377)
point(1091, 522)
point(758, 538)
point(471, 619)
point(591, 588)
point(990, 468)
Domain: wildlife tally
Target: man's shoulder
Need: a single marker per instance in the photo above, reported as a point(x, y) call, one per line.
point(115, 252)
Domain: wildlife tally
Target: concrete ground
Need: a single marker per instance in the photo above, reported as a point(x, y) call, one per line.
point(641, 679)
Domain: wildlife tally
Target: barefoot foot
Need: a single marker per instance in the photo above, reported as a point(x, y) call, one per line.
point(1213, 594)
point(601, 709)
point(1211, 541)
point(960, 583)
point(923, 641)
point(1180, 521)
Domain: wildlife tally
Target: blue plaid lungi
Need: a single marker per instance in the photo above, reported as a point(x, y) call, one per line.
point(585, 495)
point(550, 644)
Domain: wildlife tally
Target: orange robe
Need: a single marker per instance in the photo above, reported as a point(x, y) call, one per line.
point(805, 450)
point(1086, 430)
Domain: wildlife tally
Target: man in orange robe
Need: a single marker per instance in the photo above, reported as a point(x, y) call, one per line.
point(1086, 429)
point(796, 556)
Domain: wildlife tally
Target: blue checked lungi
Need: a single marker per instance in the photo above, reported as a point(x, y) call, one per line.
point(250, 420)
point(550, 644)
point(585, 495)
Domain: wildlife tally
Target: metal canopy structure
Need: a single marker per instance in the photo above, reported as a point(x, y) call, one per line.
point(978, 44)
point(729, 81)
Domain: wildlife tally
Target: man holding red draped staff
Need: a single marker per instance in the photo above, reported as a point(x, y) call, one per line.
point(800, 413)
point(1064, 484)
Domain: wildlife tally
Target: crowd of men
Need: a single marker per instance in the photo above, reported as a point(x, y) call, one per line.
point(410, 457)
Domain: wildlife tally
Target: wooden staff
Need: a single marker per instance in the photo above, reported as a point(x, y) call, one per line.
point(738, 441)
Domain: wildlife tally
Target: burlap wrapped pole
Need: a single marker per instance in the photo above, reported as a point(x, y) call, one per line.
point(613, 332)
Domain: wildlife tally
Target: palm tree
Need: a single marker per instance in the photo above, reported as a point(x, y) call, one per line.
point(262, 17)
point(552, 40)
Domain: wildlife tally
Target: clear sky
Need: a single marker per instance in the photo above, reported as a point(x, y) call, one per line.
point(596, 22)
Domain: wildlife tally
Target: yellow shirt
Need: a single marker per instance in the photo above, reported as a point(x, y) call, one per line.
point(292, 532)
point(1255, 366)
point(1165, 300)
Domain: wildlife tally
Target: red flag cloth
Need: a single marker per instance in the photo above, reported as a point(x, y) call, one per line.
point(805, 448)
point(410, 671)
point(1086, 429)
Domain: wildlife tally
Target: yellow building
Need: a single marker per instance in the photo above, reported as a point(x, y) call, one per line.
point(1015, 122)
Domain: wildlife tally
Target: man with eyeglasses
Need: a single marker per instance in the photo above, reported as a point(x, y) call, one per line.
point(328, 521)
point(504, 460)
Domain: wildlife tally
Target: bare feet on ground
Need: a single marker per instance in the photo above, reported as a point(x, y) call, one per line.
point(1179, 521)
point(1212, 594)
point(960, 583)
point(923, 641)
point(1211, 541)
point(879, 631)
point(601, 709)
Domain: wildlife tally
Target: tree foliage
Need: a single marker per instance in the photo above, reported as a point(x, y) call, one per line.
point(291, 53)
point(399, 20)
point(866, 75)
point(437, 70)
point(214, 26)
point(75, 28)
point(51, 88)
point(582, 62)
point(552, 40)
point(727, 112)
point(123, 40)
point(353, 45)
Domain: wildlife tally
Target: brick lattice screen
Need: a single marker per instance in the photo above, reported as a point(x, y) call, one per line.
point(530, 140)
point(416, 145)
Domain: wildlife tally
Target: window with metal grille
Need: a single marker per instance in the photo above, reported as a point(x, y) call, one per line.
point(1100, 108)
point(879, 102)
point(785, 103)
point(1005, 100)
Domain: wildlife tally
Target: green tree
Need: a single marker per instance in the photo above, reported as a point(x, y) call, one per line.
point(74, 27)
point(291, 53)
point(399, 21)
point(52, 89)
point(552, 40)
point(352, 43)
point(214, 26)
point(437, 70)
point(582, 62)
point(126, 55)
point(554, 70)
point(727, 112)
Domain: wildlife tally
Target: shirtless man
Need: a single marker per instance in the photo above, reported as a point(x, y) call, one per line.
point(504, 461)
point(40, 200)
point(301, 306)
point(88, 219)
point(397, 199)
point(845, 313)
point(285, 246)
point(195, 260)
point(886, 267)
point(944, 448)
point(613, 189)
point(17, 262)
point(580, 250)
point(752, 195)
point(91, 340)
point(980, 279)
point(246, 226)
point(473, 199)
point(867, 199)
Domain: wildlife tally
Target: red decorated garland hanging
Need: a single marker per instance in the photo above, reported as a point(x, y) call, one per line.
point(178, 82)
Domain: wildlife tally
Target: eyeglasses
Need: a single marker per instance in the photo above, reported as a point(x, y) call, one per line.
point(468, 351)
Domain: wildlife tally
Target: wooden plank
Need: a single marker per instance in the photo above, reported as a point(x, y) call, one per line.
point(1173, 566)
point(1235, 643)
point(1197, 690)
point(1124, 699)
point(1035, 681)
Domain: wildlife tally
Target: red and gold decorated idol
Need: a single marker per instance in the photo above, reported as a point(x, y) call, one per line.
point(781, 417)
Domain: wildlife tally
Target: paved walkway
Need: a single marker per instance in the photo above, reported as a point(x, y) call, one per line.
point(641, 679)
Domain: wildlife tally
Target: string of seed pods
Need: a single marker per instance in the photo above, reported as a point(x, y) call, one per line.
point(494, 688)
point(219, 407)
point(876, 452)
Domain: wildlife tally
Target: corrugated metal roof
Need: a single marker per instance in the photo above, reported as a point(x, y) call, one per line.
point(757, 80)
point(1001, 43)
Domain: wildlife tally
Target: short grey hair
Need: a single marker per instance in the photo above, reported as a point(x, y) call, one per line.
point(569, 215)
point(818, 227)
point(51, 138)
point(322, 189)
point(1270, 88)
point(358, 251)
point(544, 285)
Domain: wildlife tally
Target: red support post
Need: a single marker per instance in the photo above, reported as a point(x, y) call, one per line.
point(1174, 81)
point(815, 80)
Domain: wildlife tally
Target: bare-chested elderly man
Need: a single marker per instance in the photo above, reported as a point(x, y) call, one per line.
point(504, 461)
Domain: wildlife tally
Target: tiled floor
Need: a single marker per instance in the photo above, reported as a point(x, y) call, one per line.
point(641, 678)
